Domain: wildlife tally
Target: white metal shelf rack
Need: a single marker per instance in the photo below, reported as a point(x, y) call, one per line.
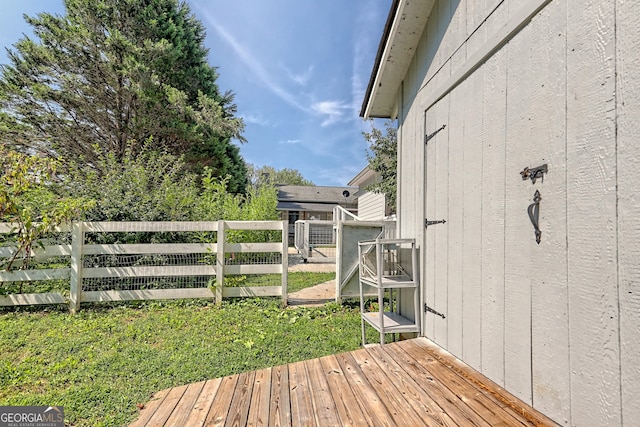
point(388, 265)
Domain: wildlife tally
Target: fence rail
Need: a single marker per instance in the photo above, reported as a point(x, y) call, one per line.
point(141, 271)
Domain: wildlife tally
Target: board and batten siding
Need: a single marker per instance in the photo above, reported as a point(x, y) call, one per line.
point(557, 83)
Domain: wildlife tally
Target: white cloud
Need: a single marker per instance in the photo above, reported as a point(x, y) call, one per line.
point(331, 110)
point(253, 119)
point(300, 78)
point(250, 60)
point(290, 141)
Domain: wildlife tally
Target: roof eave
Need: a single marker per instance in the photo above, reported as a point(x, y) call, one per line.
point(403, 29)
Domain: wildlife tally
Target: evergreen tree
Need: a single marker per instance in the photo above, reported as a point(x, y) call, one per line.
point(109, 75)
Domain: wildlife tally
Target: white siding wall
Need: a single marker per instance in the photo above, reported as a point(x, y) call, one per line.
point(557, 323)
point(628, 158)
point(371, 206)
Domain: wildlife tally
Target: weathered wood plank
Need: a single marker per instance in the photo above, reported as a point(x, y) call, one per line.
point(150, 408)
point(413, 383)
point(348, 408)
point(279, 405)
point(260, 399)
point(407, 383)
point(447, 401)
point(519, 411)
point(372, 406)
point(517, 408)
point(185, 405)
point(591, 212)
point(301, 405)
point(463, 386)
point(628, 158)
point(220, 406)
point(386, 391)
point(240, 403)
point(165, 409)
point(203, 403)
point(324, 409)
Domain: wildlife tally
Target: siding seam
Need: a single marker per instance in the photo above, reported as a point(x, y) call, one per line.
point(615, 136)
point(566, 202)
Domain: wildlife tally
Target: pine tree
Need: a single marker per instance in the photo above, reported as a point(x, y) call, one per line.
point(108, 75)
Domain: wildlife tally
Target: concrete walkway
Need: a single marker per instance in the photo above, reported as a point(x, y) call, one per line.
point(315, 295)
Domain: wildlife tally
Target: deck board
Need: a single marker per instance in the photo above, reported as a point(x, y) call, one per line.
point(184, 406)
point(323, 407)
point(419, 401)
point(412, 382)
point(280, 403)
point(219, 410)
point(198, 414)
point(347, 407)
point(260, 398)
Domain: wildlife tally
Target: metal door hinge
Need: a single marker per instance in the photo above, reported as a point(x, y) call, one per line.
point(434, 133)
point(428, 223)
point(428, 309)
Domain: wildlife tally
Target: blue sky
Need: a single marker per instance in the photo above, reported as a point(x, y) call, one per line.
point(299, 69)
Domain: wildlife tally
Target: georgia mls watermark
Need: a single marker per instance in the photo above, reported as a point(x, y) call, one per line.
point(31, 416)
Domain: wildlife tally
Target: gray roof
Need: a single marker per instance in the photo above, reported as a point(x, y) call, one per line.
point(314, 198)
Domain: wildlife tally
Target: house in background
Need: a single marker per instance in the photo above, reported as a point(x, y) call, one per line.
point(302, 202)
point(518, 124)
point(371, 206)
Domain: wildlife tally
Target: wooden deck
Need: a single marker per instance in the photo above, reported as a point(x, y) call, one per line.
point(410, 383)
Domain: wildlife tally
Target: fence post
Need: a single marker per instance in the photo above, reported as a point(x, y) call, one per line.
point(77, 242)
point(285, 262)
point(307, 243)
point(220, 260)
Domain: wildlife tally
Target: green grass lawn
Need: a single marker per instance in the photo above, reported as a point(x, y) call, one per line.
point(104, 360)
point(295, 281)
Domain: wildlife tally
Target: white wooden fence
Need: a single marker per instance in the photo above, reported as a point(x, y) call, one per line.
point(224, 259)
